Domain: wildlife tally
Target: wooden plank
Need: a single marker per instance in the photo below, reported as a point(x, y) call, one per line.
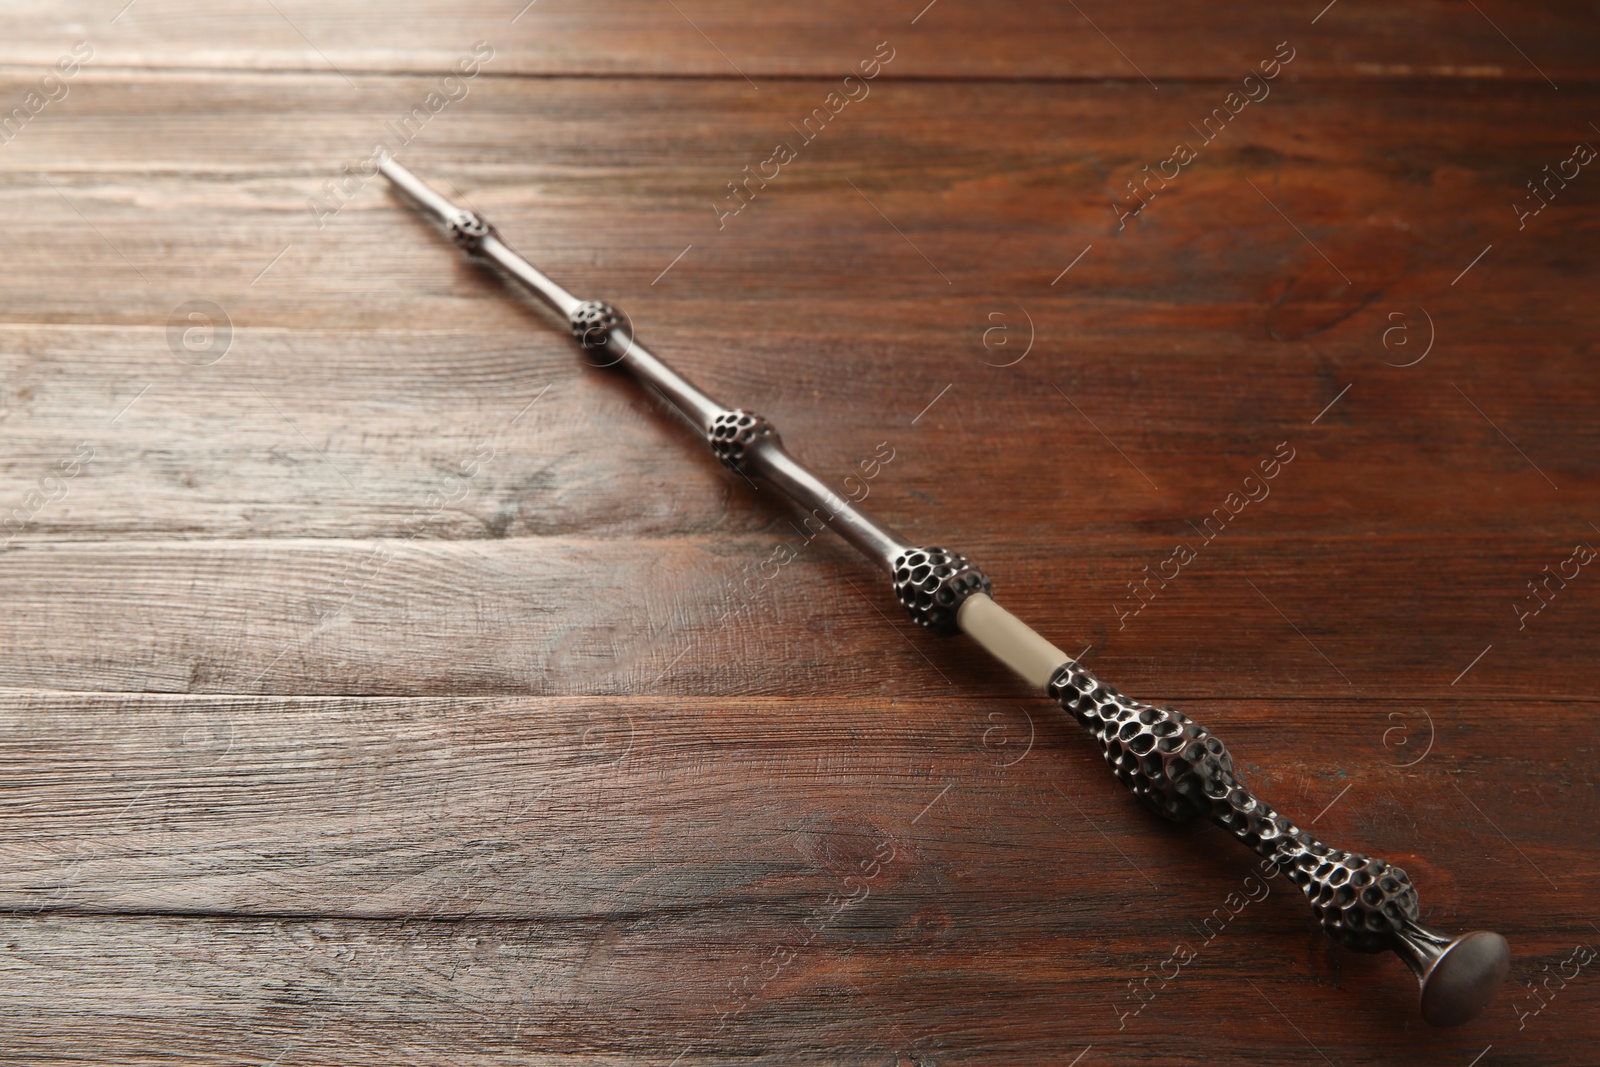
point(339, 876)
point(557, 809)
point(994, 181)
point(1292, 617)
point(389, 434)
point(1097, 39)
point(885, 986)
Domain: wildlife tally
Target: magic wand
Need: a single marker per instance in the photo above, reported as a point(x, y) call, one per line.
point(1168, 760)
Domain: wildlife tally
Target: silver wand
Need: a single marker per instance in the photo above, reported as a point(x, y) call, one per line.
point(1168, 760)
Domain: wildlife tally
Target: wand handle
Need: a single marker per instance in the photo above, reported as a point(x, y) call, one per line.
point(1178, 768)
point(1165, 758)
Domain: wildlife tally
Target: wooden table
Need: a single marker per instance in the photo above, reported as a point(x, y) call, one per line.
point(382, 685)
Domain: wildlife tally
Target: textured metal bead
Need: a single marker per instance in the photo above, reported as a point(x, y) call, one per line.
point(734, 433)
point(468, 230)
point(1362, 901)
point(593, 322)
point(1165, 758)
point(932, 583)
point(1178, 768)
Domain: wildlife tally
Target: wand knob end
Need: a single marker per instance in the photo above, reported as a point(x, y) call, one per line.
point(1459, 976)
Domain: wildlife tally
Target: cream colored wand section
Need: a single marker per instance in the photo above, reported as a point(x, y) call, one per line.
point(1010, 640)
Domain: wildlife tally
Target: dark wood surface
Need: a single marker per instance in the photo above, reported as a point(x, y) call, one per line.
point(396, 689)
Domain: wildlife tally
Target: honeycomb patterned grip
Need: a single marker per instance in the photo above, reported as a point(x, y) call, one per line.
point(1178, 768)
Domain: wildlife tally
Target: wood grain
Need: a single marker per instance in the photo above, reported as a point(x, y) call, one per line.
point(378, 683)
point(705, 38)
point(485, 807)
point(449, 872)
point(353, 321)
point(556, 615)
